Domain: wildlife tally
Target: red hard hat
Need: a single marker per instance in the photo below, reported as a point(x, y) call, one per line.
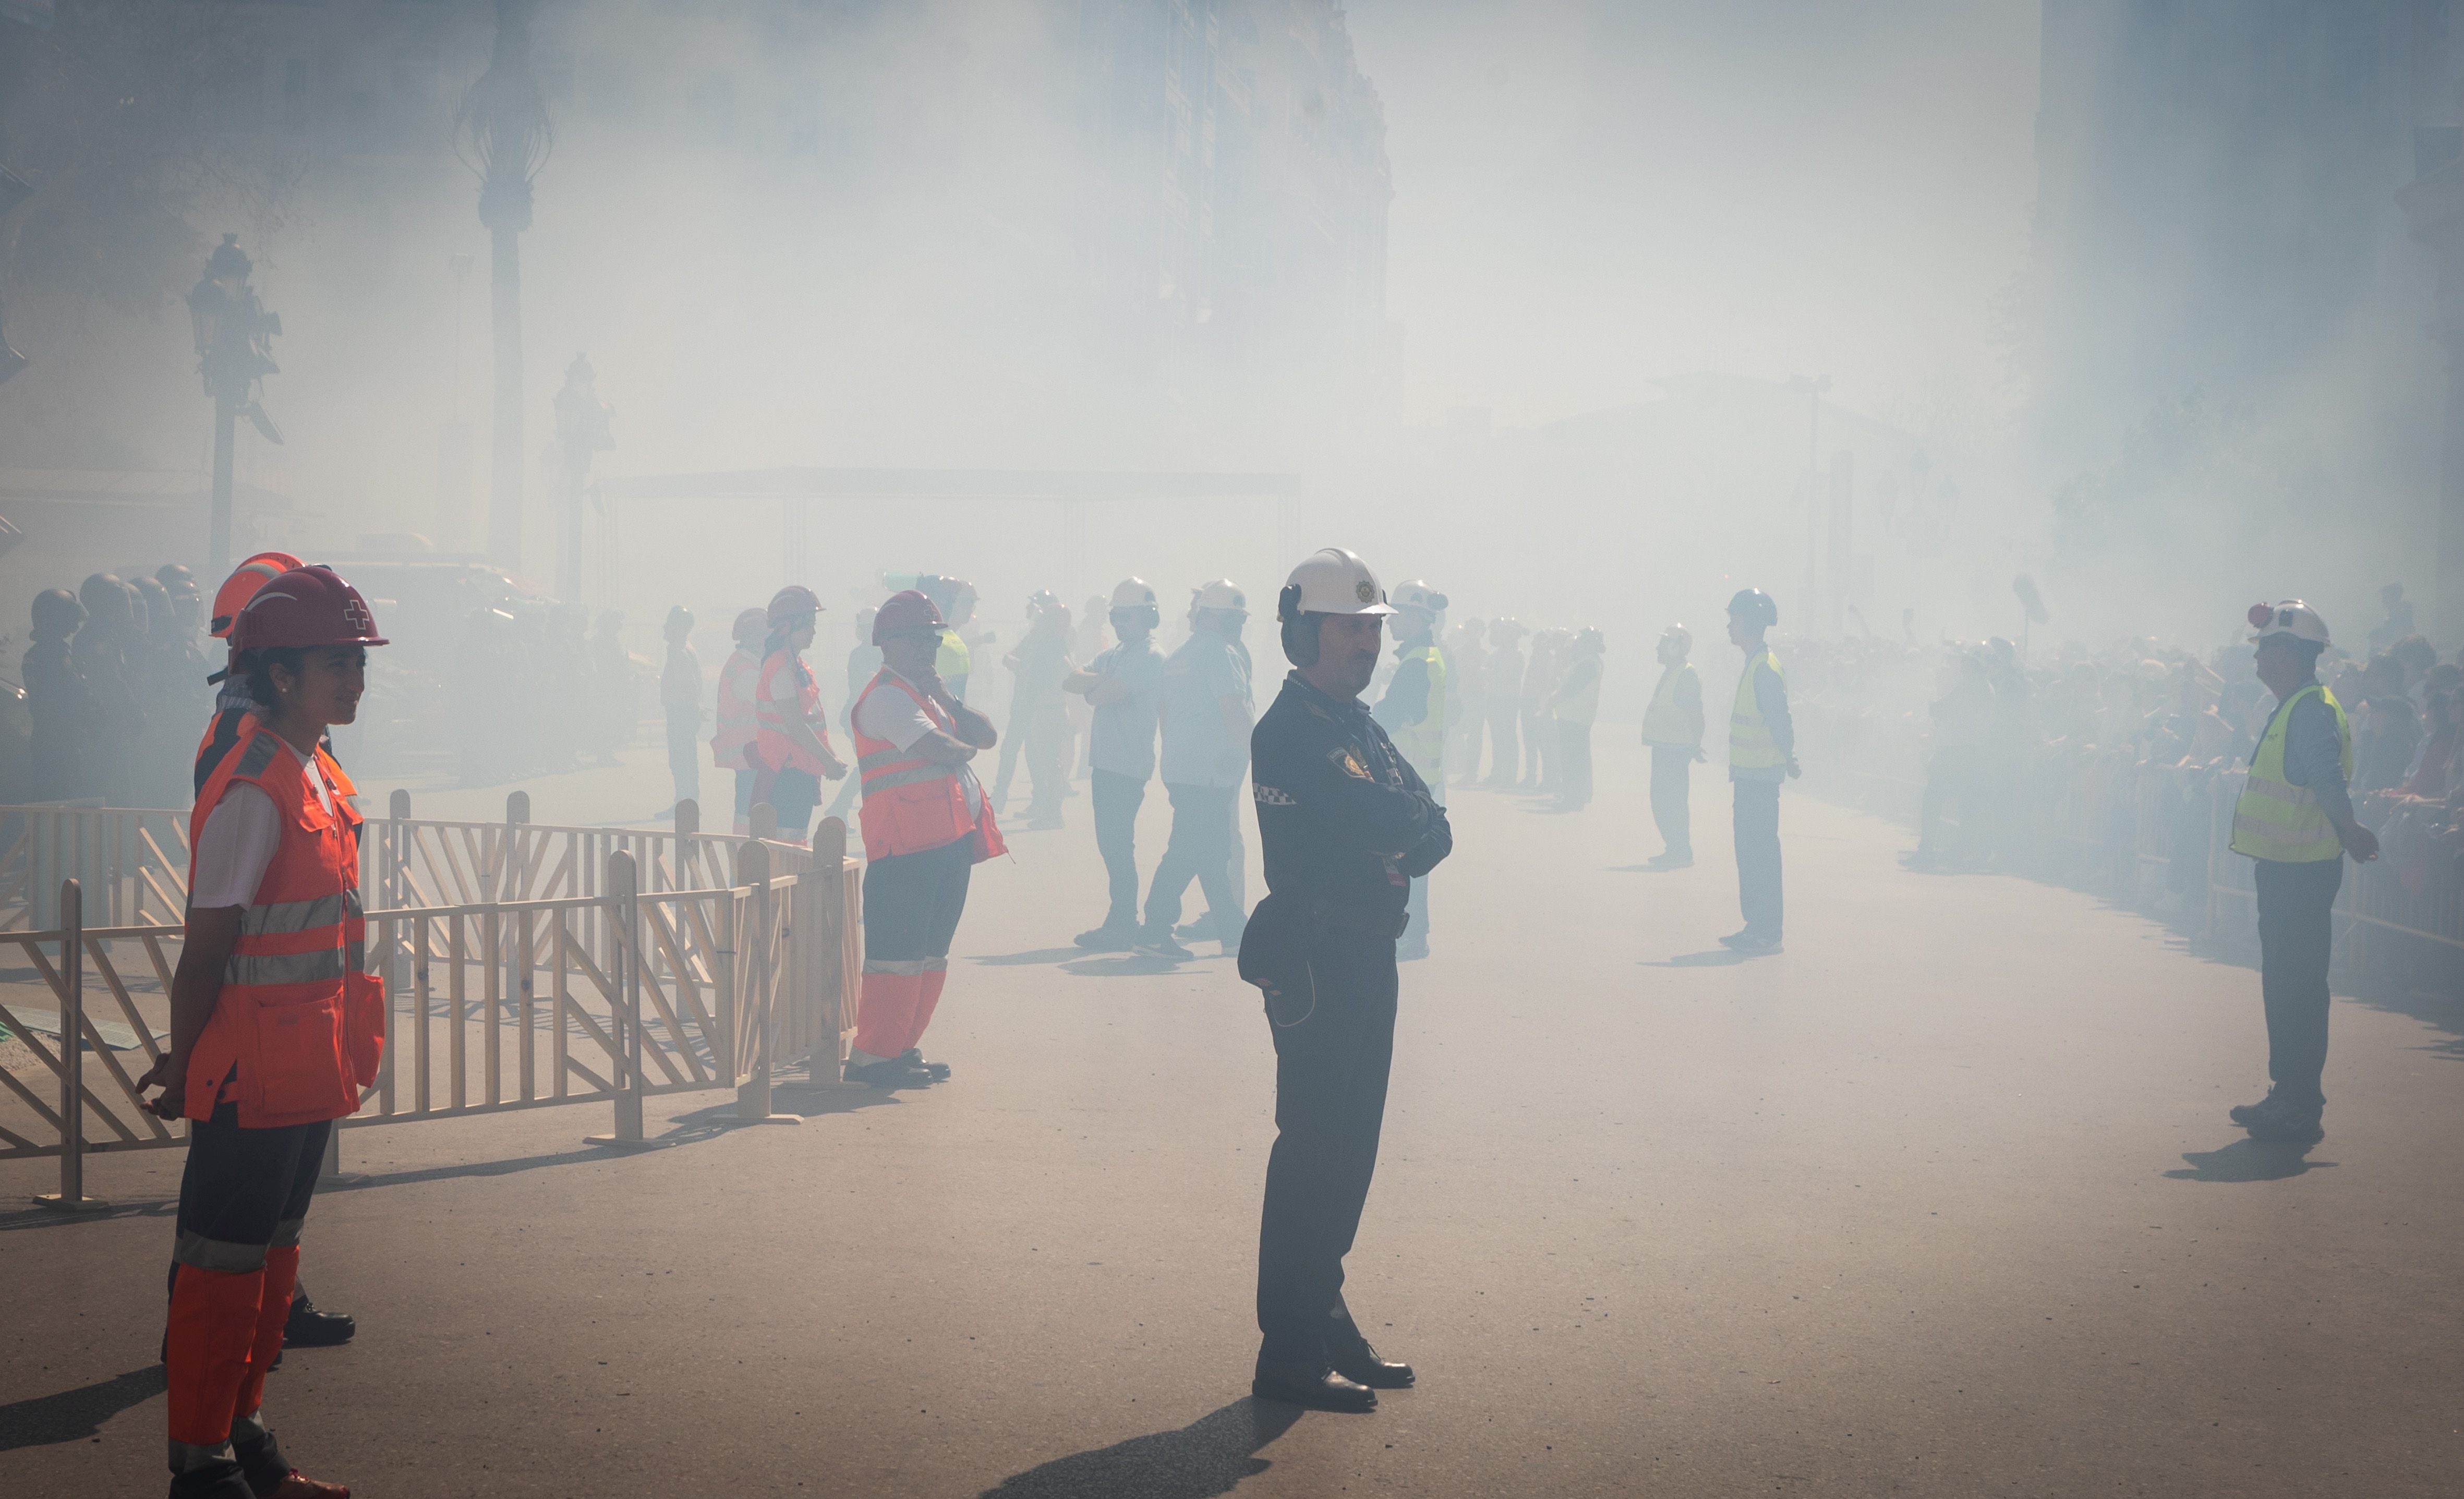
point(305, 607)
point(243, 582)
point(903, 612)
point(793, 600)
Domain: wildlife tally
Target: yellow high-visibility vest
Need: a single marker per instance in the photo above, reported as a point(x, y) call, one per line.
point(1424, 743)
point(2275, 820)
point(1580, 707)
point(1664, 722)
point(954, 661)
point(1750, 735)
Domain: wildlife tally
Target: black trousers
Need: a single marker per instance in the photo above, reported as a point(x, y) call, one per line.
point(1334, 1044)
point(1757, 831)
point(684, 756)
point(1672, 768)
point(2296, 929)
point(1201, 849)
point(1574, 754)
point(244, 1191)
point(793, 796)
point(912, 902)
point(1117, 798)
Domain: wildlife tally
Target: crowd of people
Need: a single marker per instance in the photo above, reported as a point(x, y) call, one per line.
point(115, 682)
point(542, 689)
point(2021, 763)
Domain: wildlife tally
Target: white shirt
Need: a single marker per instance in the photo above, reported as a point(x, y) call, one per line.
point(894, 715)
point(240, 837)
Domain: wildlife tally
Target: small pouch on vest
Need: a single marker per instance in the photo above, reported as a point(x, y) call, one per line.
point(300, 1061)
point(363, 1023)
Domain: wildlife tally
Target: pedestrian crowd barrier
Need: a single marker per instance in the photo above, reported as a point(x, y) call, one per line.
point(525, 966)
point(2160, 835)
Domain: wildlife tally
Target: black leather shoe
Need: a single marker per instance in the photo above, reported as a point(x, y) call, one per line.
point(893, 1074)
point(1362, 1366)
point(913, 1057)
point(306, 1327)
point(1329, 1391)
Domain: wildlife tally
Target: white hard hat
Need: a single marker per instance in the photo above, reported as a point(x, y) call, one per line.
point(1132, 593)
point(2292, 617)
point(1419, 595)
point(1220, 594)
point(1332, 581)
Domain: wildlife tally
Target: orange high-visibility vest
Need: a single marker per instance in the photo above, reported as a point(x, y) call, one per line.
point(739, 722)
point(911, 803)
point(777, 751)
point(298, 1027)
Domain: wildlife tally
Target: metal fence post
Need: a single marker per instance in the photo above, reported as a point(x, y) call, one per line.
point(624, 972)
point(72, 1193)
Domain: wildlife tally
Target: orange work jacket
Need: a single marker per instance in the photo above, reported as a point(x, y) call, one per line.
point(911, 803)
point(777, 750)
point(298, 1028)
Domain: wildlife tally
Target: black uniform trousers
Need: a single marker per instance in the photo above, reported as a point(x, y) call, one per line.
point(1574, 754)
point(244, 1191)
point(1672, 767)
point(1334, 1044)
point(1758, 874)
point(2296, 927)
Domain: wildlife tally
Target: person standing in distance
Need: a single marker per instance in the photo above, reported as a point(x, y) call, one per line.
point(1207, 719)
point(1414, 710)
point(680, 695)
point(1347, 824)
point(792, 738)
point(739, 721)
point(1123, 686)
point(1673, 727)
point(2295, 821)
point(1762, 752)
point(1574, 705)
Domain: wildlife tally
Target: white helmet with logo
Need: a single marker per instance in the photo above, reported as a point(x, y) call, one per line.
point(1332, 581)
point(1220, 594)
point(1419, 595)
point(1134, 593)
point(2293, 618)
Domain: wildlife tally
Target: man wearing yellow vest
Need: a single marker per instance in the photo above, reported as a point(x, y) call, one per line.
point(1413, 713)
point(1762, 752)
point(1673, 727)
point(2295, 818)
point(1573, 706)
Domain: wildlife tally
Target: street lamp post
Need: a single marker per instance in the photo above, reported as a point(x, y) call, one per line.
point(581, 430)
point(234, 337)
point(502, 133)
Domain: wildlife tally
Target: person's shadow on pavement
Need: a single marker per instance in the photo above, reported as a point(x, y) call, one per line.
point(75, 1414)
point(2248, 1161)
point(1201, 1460)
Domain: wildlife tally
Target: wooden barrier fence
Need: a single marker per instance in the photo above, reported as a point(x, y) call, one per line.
point(561, 965)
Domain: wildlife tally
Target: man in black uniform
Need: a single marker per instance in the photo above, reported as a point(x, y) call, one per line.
point(1346, 826)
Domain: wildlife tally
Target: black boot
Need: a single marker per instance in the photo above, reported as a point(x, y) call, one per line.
point(306, 1327)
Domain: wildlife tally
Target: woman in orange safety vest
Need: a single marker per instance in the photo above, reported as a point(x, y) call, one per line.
point(792, 736)
point(738, 681)
point(275, 1028)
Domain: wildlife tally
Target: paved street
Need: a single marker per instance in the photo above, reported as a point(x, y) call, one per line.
point(1941, 1201)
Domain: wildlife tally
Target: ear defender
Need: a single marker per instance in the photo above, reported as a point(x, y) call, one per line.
point(1300, 636)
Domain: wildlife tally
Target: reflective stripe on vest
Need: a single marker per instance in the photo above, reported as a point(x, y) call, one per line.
point(777, 748)
point(911, 803)
point(2275, 820)
point(1750, 737)
point(737, 721)
point(1664, 722)
point(297, 1028)
point(1424, 743)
